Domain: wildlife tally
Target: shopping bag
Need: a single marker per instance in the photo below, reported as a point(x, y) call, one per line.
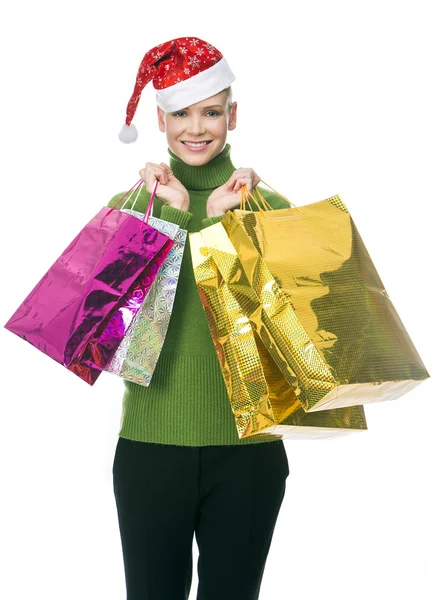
point(322, 310)
point(77, 313)
point(136, 356)
point(261, 399)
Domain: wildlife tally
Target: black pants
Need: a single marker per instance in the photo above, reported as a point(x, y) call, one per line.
point(229, 496)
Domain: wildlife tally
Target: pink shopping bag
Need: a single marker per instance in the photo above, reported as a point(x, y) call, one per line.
point(80, 310)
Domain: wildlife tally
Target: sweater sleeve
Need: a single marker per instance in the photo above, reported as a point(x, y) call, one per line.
point(210, 221)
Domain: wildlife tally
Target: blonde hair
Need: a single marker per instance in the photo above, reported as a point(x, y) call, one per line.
point(229, 96)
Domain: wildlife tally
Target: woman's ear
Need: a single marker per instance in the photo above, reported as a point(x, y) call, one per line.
point(161, 119)
point(232, 117)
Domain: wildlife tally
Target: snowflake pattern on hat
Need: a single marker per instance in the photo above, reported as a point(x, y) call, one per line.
point(170, 63)
point(187, 53)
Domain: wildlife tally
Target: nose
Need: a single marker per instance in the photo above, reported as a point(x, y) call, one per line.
point(195, 125)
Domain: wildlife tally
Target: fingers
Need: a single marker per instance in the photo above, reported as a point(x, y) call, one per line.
point(169, 174)
point(166, 167)
point(243, 176)
point(247, 181)
point(151, 172)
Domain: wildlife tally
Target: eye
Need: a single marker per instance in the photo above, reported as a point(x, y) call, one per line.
point(212, 113)
point(179, 113)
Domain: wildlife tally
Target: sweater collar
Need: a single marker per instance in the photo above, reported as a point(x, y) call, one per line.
point(205, 177)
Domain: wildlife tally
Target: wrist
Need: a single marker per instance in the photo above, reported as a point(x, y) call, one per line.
point(183, 207)
point(181, 204)
point(212, 210)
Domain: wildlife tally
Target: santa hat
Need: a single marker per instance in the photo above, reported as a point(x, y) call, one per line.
point(183, 71)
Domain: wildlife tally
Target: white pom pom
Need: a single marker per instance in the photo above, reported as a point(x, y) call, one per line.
point(128, 134)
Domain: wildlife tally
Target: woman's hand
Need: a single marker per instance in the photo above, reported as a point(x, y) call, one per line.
point(170, 190)
point(227, 196)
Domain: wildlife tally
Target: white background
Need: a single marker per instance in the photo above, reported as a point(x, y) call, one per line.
point(335, 97)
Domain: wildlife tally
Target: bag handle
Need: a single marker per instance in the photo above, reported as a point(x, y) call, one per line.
point(261, 200)
point(137, 188)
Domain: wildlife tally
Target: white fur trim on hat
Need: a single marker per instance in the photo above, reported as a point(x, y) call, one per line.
point(203, 85)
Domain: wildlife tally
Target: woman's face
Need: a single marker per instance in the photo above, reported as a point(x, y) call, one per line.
point(198, 133)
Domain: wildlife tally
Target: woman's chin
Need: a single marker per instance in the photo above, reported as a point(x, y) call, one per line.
point(201, 158)
point(196, 159)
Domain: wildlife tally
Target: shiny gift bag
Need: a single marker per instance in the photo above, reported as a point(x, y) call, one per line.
point(78, 313)
point(136, 357)
point(321, 308)
point(261, 399)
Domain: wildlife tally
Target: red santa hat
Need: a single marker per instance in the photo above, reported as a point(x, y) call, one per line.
point(183, 71)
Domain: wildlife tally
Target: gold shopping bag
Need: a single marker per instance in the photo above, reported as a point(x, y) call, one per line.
point(261, 399)
point(321, 308)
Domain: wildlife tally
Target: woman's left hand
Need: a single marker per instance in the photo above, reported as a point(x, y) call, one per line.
point(227, 196)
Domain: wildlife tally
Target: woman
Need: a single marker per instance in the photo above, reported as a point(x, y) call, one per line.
point(180, 468)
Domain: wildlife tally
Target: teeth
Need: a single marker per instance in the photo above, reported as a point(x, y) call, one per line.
point(196, 144)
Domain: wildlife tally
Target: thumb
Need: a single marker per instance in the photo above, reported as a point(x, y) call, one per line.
point(229, 184)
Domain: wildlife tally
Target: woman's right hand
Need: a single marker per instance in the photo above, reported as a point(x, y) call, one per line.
point(169, 190)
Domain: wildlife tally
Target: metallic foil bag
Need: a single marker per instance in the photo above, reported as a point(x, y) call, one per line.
point(78, 313)
point(101, 345)
point(320, 307)
point(137, 355)
point(261, 399)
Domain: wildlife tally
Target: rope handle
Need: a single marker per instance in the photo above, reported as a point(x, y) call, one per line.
point(246, 194)
point(137, 188)
point(260, 201)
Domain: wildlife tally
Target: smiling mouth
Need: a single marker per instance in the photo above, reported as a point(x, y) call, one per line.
point(197, 144)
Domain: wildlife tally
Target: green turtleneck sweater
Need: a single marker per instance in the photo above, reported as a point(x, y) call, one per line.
point(186, 403)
